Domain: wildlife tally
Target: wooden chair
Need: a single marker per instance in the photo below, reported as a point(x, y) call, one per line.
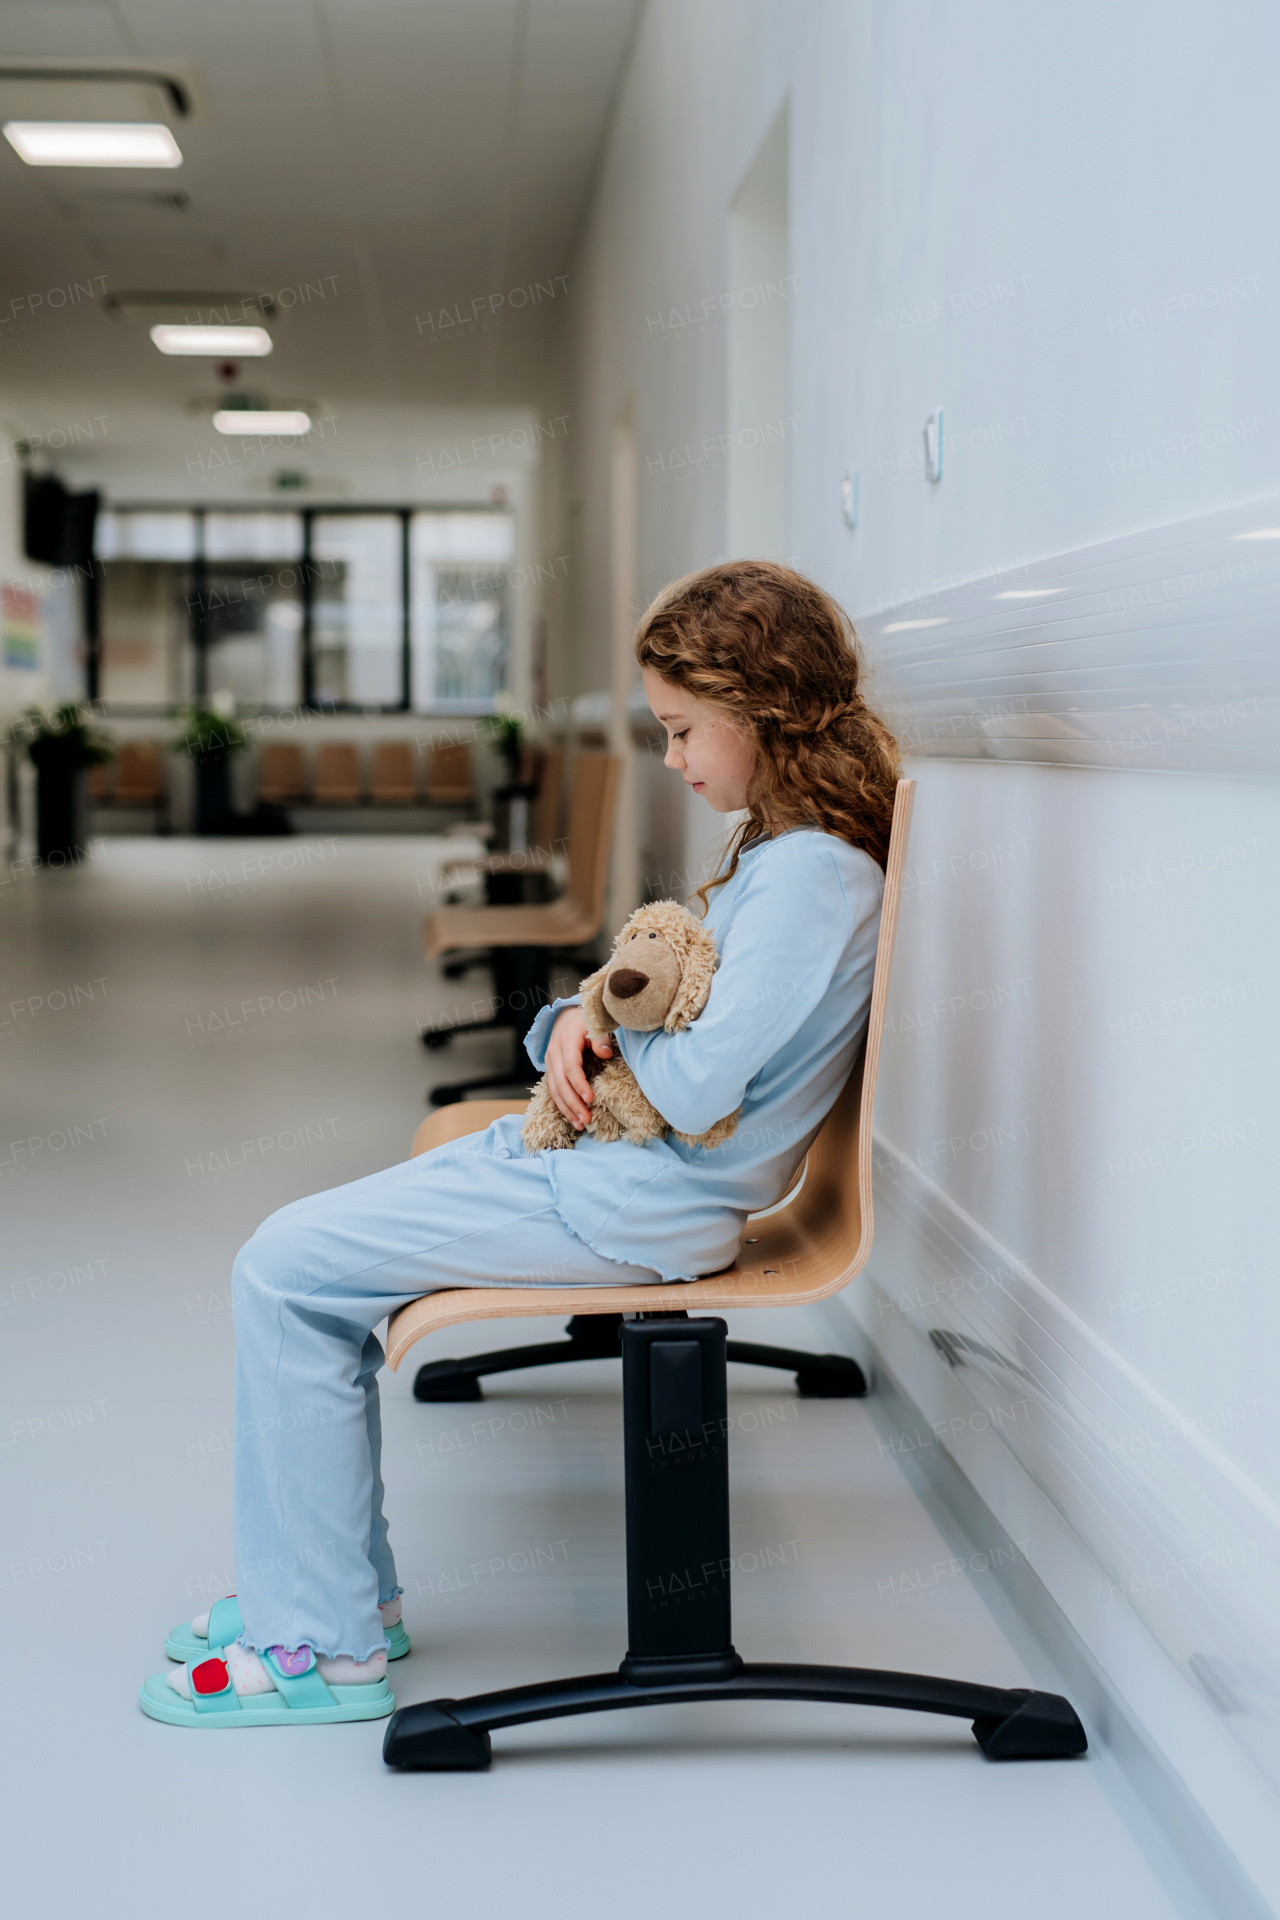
point(521, 938)
point(449, 782)
point(139, 774)
point(282, 777)
point(337, 781)
point(675, 1420)
point(139, 780)
point(394, 782)
point(543, 846)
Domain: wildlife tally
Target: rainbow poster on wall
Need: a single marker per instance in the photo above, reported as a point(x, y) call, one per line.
point(20, 619)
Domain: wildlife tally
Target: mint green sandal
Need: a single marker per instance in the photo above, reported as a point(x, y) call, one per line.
point(302, 1697)
point(225, 1625)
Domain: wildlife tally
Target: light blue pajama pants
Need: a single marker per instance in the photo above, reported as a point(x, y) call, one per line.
point(313, 1560)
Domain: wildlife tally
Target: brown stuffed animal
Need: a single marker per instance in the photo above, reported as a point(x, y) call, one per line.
point(658, 976)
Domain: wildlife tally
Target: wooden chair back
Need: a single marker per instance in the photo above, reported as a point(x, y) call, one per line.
point(140, 774)
point(281, 775)
point(450, 778)
point(591, 807)
point(812, 1245)
point(337, 773)
point(394, 780)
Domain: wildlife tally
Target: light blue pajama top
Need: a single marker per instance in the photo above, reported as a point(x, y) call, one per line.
point(796, 930)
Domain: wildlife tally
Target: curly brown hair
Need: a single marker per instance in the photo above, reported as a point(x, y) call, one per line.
point(781, 656)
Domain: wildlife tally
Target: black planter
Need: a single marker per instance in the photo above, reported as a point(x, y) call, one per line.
point(213, 791)
point(61, 802)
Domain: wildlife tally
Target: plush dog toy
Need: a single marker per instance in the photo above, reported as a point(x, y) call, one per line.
point(659, 975)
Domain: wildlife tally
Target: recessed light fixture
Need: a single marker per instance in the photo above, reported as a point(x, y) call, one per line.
point(1029, 593)
point(1262, 533)
point(260, 420)
point(910, 626)
point(93, 143)
point(216, 343)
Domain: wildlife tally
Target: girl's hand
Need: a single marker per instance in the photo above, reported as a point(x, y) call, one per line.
point(570, 1088)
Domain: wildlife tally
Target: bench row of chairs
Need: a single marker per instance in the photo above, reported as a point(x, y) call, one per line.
point(397, 775)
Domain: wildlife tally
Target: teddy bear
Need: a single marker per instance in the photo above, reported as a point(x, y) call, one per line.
point(659, 975)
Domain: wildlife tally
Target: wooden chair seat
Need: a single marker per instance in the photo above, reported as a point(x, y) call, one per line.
point(562, 923)
point(808, 1248)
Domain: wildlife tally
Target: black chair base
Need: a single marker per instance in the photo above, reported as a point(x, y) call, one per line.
point(452, 1736)
point(819, 1376)
point(676, 1427)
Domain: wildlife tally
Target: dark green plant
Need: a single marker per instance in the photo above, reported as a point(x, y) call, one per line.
point(205, 732)
point(63, 733)
point(507, 733)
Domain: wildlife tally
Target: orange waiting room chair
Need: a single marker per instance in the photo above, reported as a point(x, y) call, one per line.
point(337, 781)
point(281, 776)
point(394, 782)
point(449, 782)
point(139, 781)
point(675, 1426)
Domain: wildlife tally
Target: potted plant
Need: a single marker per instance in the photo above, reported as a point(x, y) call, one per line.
point(62, 745)
point(506, 730)
point(212, 736)
point(511, 800)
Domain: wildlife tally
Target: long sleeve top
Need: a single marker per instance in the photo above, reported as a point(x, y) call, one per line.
point(796, 930)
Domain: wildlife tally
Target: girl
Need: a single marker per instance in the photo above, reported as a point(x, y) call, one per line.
point(754, 673)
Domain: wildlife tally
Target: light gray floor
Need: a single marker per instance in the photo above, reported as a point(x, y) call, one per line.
point(115, 1440)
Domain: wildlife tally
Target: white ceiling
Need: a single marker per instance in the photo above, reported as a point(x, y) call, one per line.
point(409, 155)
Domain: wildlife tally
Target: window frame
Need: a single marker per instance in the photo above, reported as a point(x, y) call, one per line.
point(197, 621)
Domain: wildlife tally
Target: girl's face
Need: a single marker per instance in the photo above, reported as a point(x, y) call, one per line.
point(715, 756)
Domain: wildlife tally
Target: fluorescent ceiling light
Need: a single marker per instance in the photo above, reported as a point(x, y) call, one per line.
point(910, 626)
point(1029, 593)
point(1263, 533)
point(261, 420)
point(92, 143)
point(248, 343)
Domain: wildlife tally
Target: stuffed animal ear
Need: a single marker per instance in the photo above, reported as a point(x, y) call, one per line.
point(700, 964)
point(593, 1007)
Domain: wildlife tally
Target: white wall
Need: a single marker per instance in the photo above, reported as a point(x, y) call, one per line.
point(1059, 227)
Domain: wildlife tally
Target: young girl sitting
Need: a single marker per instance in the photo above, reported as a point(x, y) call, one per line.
point(754, 673)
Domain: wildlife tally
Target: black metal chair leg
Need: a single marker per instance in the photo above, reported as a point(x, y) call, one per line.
point(590, 1337)
point(675, 1423)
